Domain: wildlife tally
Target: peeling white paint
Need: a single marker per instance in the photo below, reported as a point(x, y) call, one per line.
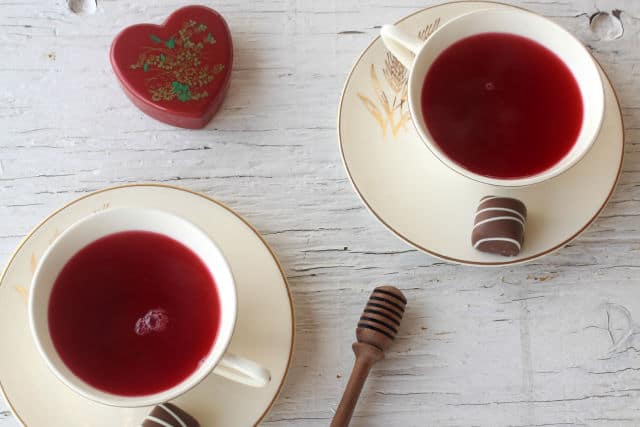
point(83, 7)
point(607, 26)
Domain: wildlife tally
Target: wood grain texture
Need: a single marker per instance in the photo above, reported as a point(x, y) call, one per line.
point(553, 342)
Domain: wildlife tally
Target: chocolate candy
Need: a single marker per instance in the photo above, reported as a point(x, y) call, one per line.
point(499, 226)
point(169, 415)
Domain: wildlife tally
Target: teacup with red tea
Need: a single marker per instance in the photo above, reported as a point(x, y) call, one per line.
point(505, 97)
point(133, 307)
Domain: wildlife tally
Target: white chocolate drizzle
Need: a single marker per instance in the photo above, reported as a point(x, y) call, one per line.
point(158, 421)
point(496, 239)
point(499, 218)
point(174, 415)
point(513, 211)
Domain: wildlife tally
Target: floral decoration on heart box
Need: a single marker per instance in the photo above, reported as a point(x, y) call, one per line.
point(177, 72)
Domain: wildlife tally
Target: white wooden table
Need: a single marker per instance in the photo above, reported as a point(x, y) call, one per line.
point(554, 342)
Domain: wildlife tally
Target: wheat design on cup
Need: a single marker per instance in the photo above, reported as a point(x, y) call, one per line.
point(390, 111)
point(390, 108)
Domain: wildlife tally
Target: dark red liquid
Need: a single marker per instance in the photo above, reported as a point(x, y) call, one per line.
point(502, 105)
point(134, 313)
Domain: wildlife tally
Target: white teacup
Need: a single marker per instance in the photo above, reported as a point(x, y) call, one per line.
point(111, 221)
point(418, 56)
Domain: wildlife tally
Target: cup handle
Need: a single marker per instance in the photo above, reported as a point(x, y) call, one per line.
point(402, 45)
point(243, 371)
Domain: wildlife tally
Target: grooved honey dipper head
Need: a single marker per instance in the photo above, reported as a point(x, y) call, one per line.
point(381, 317)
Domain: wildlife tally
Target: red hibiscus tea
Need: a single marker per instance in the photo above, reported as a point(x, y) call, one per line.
point(502, 105)
point(134, 313)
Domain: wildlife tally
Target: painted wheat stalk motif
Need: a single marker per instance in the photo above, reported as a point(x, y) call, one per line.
point(395, 73)
point(429, 29)
point(389, 107)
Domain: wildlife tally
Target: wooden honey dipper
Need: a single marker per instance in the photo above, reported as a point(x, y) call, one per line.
point(376, 331)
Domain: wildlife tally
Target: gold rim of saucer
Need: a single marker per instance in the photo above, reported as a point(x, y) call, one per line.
point(417, 245)
point(196, 193)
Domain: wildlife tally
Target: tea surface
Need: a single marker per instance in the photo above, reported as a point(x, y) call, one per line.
point(134, 313)
point(502, 105)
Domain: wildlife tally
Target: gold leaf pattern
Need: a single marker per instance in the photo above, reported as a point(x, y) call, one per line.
point(395, 73)
point(429, 29)
point(391, 110)
point(375, 112)
point(23, 292)
point(34, 263)
point(103, 207)
point(55, 235)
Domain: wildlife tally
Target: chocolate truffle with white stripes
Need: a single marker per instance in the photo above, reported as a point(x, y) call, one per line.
point(169, 415)
point(499, 226)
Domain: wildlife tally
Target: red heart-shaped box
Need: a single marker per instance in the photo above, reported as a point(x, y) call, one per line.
point(177, 72)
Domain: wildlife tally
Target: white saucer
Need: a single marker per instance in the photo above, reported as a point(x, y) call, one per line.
point(432, 207)
point(264, 330)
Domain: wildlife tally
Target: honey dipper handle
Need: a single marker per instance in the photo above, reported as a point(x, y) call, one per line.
point(366, 356)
